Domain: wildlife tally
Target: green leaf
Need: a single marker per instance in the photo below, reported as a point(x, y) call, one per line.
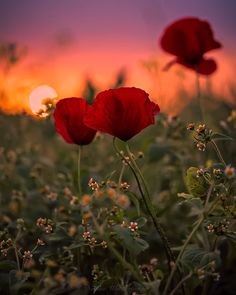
point(133, 244)
point(195, 257)
point(219, 136)
point(197, 186)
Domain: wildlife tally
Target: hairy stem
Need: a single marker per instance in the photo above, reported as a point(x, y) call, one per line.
point(79, 171)
point(218, 152)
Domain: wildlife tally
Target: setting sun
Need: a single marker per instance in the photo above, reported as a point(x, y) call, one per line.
point(38, 98)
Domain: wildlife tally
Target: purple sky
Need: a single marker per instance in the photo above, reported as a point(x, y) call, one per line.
point(113, 24)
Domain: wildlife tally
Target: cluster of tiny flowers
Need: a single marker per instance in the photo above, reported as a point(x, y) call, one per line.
point(200, 172)
point(202, 135)
point(27, 255)
point(124, 185)
point(96, 272)
point(44, 223)
point(133, 226)
point(40, 242)
point(85, 200)
point(5, 245)
point(217, 172)
point(218, 228)
point(201, 146)
point(93, 184)
point(91, 240)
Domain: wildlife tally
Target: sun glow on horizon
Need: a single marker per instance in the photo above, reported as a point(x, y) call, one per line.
point(38, 97)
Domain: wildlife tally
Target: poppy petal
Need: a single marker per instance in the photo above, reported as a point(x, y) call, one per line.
point(68, 118)
point(121, 112)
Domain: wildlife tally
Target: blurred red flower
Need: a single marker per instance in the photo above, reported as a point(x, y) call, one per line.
point(121, 112)
point(189, 39)
point(68, 120)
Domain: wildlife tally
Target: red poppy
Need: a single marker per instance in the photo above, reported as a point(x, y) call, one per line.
point(68, 119)
point(121, 112)
point(189, 39)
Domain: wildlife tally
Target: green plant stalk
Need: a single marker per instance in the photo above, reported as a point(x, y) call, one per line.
point(196, 227)
point(151, 210)
point(218, 152)
point(169, 254)
point(198, 88)
point(79, 171)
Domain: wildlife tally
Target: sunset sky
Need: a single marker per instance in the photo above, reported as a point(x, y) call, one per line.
point(68, 41)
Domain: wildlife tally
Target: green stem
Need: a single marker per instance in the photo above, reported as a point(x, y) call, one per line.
point(151, 209)
point(189, 238)
point(79, 171)
point(198, 88)
point(218, 152)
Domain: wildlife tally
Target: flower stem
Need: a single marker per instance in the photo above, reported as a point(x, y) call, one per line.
point(218, 152)
point(79, 171)
point(151, 210)
point(198, 88)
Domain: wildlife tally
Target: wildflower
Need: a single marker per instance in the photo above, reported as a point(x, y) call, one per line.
point(123, 201)
point(93, 184)
point(48, 229)
point(92, 242)
point(212, 265)
point(40, 242)
point(140, 155)
point(133, 226)
point(146, 268)
point(99, 193)
point(124, 185)
point(85, 200)
point(41, 221)
point(111, 193)
point(60, 276)
point(86, 235)
point(74, 281)
point(9, 242)
point(121, 112)
point(4, 252)
point(190, 126)
point(188, 39)
point(217, 172)
point(230, 171)
point(201, 274)
point(201, 146)
point(68, 120)
point(74, 200)
point(27, 255)
point(104, 244)
point(210, 228)
point(201, 128)
point(200, 172)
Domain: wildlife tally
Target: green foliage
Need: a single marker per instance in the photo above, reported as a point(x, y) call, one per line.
point(196, 185)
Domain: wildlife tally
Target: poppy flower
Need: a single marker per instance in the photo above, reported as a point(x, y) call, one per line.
point(189, 39)
point(121, 112)
point(68, 120)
